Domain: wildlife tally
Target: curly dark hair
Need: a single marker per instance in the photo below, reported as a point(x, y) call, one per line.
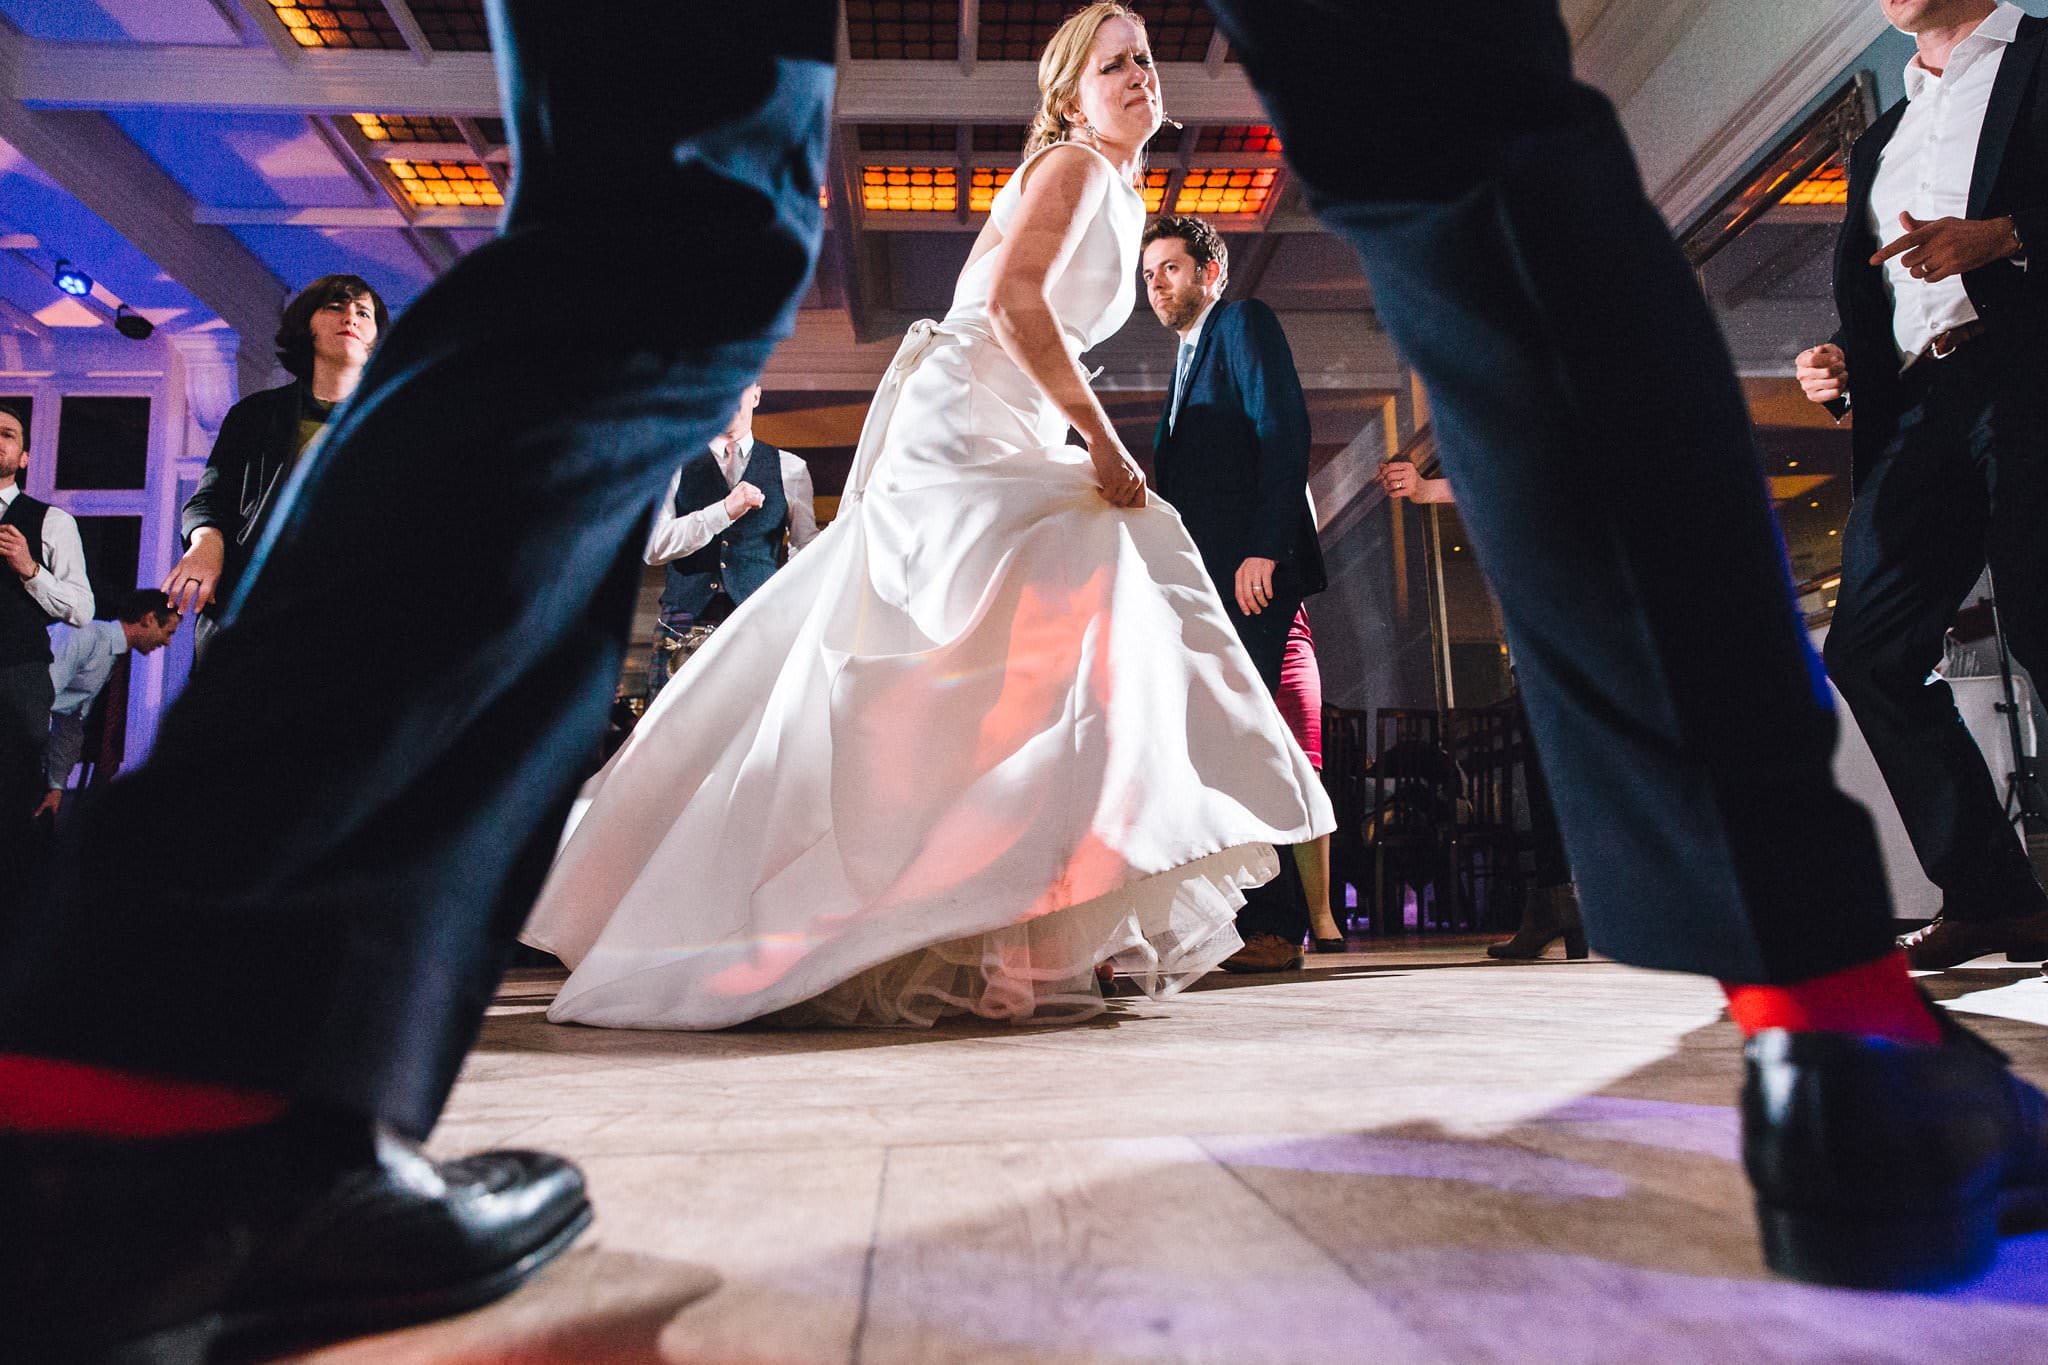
point(1203, 241)
point(141, 604)
point(295, 331)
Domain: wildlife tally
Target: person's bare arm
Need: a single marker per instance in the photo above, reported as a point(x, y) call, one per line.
point(1401, 480)
point(1049, 225)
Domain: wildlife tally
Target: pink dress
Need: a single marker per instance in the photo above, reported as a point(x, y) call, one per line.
point(1301, 690)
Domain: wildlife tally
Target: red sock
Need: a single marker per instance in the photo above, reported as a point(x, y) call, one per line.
point(38, 1095)
point(1876, 999)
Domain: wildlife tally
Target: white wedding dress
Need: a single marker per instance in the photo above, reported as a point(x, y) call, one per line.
point(983, 733)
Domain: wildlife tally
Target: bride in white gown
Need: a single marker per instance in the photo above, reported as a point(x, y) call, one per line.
point(992, 727)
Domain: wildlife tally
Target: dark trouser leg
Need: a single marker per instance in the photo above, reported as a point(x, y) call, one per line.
point(1552, 867)
point(310, 886)
point(1913, 549)
point(1279, 906)
point(1519, 267)
point(25, 697)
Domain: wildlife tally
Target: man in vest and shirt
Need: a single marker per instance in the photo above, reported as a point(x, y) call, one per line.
point(43, 580)
point(720, 531)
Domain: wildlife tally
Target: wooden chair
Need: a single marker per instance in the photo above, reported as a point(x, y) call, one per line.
point(1414, 814)
point(106, 727)
point(1487, 850)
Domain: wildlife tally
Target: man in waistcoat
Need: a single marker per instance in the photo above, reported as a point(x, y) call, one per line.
point(721, 531)
point(43, 580)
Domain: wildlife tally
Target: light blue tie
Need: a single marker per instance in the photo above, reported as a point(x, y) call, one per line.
point(1180, 381)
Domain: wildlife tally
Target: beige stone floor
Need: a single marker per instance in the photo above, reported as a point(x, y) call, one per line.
point(1403, 1154)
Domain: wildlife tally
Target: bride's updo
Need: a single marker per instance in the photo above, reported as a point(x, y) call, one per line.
point(1060, 68)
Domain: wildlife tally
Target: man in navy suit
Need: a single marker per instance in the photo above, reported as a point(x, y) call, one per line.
point(1231, 454)
point(1942, 346)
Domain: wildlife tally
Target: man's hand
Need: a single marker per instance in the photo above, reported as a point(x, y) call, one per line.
point(14, 551)
point(193, 580)
point(743, 499)
point(1399, 478)
point(1254, 585)
point(1949, 246)
point(52, 799)
point(1823, 371)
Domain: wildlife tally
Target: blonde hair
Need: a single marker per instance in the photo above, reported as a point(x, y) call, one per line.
point(1060, 67)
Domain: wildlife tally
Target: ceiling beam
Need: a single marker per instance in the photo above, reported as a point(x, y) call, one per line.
point(263, 18)
point(95, 163)
point(153, 76)
point(351, 218)
point(1336, 352)
point(970, 35)
point(410, 30)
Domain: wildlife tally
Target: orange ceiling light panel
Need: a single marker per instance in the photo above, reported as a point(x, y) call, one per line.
point(1828, 185)
point(1238, 137)
point(983, 183)
point(1180, 30)
point(1154, 188)
point(453, 25)
point(340, 24)
point(446, 184)
point(407, 128)
point(909, 189)
point(1018, 30)
point(1223, 190)
point(908, 137)
point(903, 30)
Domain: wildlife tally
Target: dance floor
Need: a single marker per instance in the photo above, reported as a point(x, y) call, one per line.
point(1402, 1154)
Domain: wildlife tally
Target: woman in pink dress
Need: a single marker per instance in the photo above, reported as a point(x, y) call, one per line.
point(1301, 706)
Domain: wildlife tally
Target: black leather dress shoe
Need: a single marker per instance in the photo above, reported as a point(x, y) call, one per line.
point(1948, 941)
point(1882, 1165)
point(290, 1235)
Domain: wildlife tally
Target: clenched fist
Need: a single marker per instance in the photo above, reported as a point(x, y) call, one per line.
point(1823, 371)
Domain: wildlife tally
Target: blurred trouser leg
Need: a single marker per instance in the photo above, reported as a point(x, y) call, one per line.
point(1519, 267)
point(310, 886)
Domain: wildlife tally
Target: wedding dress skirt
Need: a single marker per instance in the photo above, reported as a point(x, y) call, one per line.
point(985, 732)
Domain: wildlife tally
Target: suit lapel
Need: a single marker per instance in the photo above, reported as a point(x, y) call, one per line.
point(2015, 71)
point(1164, 433)
point(1206, 341)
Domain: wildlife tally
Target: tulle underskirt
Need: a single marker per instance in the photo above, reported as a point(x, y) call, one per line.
point(1161, 933)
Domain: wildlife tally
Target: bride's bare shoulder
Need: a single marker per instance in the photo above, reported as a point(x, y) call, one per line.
point(1067, 171)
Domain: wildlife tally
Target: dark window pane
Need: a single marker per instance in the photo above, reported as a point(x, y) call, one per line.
point(102, 443)
point(113, 558)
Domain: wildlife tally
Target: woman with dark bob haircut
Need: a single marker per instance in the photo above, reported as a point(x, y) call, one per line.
point(323, 341)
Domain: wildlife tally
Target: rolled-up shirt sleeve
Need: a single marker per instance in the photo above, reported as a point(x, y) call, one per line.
point(680, 534)
point(803, 512)
point(61, 587)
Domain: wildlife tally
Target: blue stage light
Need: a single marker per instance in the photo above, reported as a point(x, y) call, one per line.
point(72, 280)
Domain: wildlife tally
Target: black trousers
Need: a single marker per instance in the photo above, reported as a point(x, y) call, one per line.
point(1519, 267)
point(312, 884)
point(25, 697)
point(1962, 481)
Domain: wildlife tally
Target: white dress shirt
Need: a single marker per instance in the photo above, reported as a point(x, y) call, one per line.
point(81, 660)
point(60, 586)
point(1925, 170)
point(679, 535)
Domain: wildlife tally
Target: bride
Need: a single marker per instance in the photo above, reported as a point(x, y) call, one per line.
point(992, 728)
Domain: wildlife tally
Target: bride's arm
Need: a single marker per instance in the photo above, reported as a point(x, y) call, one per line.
point(1049, 225)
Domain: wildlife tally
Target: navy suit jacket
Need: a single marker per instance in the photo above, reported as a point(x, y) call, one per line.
point(1236, 463)
point(2009, 176)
